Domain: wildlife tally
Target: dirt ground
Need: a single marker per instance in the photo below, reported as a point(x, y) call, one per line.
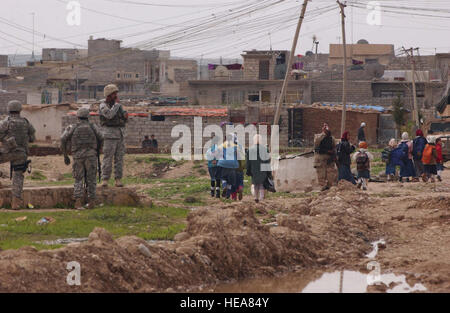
point(228, 242)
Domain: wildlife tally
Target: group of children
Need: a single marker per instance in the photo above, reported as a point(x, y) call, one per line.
point(226, 165)
point(421, 157)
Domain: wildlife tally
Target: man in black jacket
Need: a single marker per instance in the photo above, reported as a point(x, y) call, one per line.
point(361, 133)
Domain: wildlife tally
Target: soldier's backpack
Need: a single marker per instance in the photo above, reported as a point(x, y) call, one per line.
point(362, 161)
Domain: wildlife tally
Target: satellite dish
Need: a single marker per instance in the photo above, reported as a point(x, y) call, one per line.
point(362, 42)
point(221, 71)
point(309, 53)
point(375, 70)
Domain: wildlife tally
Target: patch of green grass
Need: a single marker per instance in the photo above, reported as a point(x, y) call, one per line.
point(157, 161)
point(156, 223)
point(37, 175)
point(67, 176)
point(177, 190)
point(202, 171)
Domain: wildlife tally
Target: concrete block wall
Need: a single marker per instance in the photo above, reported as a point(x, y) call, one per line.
point(331, 91)
point(3, 60)
point(313, 119)
point(5, 97)
point(138, 127)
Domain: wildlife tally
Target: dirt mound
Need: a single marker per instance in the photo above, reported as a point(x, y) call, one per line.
point(218, 245)
point(440, 203)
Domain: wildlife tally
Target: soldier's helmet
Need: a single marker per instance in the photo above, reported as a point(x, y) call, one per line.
point(110, 89)
point(83, 113)
point(14, 106)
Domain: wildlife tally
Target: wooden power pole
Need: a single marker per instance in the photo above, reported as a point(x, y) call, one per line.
point(344, 69)
point(289, 65)
point(414, 90)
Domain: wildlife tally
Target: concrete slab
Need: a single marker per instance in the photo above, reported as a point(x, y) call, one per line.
point(296, 174)
point(62, 197)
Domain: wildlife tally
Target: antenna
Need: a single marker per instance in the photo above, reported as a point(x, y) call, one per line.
point(270, 40)
point(32, 53)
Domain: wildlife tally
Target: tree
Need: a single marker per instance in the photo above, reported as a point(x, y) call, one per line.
point(398, 112)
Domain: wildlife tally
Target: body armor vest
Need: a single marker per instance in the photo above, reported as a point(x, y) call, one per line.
point(83, 137)
point(18, 128)
point(117, 121)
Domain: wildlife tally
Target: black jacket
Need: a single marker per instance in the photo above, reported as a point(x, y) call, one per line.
point(361, 134)
point(344, 150)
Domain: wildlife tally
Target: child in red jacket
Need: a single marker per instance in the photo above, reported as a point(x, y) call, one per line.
point(439, 159)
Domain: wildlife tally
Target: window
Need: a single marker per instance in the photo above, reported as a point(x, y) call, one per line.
point(233, 96)
point(118, 75)
point(137, 75)
point(264, 67)
point(253, 96)
point(158, 118)
point(420, 93)
point(391, 93)
point(281, 58)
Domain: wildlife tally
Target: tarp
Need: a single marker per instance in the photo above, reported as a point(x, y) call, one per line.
point(360, 107)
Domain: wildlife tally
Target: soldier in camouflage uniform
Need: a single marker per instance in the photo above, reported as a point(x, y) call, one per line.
point(113, 120)
point(86, 141)
point(15, 134)
point(325, 158)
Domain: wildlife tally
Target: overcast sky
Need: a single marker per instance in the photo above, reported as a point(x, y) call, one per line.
point(135, 22)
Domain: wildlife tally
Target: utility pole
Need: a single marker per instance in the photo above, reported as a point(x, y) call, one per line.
point(344, 69)
point(32, 53)
point(289, 65)
point(413, 74)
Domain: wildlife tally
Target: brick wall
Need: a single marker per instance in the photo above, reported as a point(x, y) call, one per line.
point(3, 61)
point(331, 91)
point(138, 127)
point(8, 96)
point(313, 119)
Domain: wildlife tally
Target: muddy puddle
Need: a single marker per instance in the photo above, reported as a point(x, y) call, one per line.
point(329, 282)
point(344, 281)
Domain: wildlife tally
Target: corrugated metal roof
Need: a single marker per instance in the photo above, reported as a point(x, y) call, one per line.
point(183, 111)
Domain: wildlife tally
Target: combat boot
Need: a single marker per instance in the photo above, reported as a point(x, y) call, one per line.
point(91, 204)
point(78, 204)
point(118, 183)
point(16, 203)
point(105, 184)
